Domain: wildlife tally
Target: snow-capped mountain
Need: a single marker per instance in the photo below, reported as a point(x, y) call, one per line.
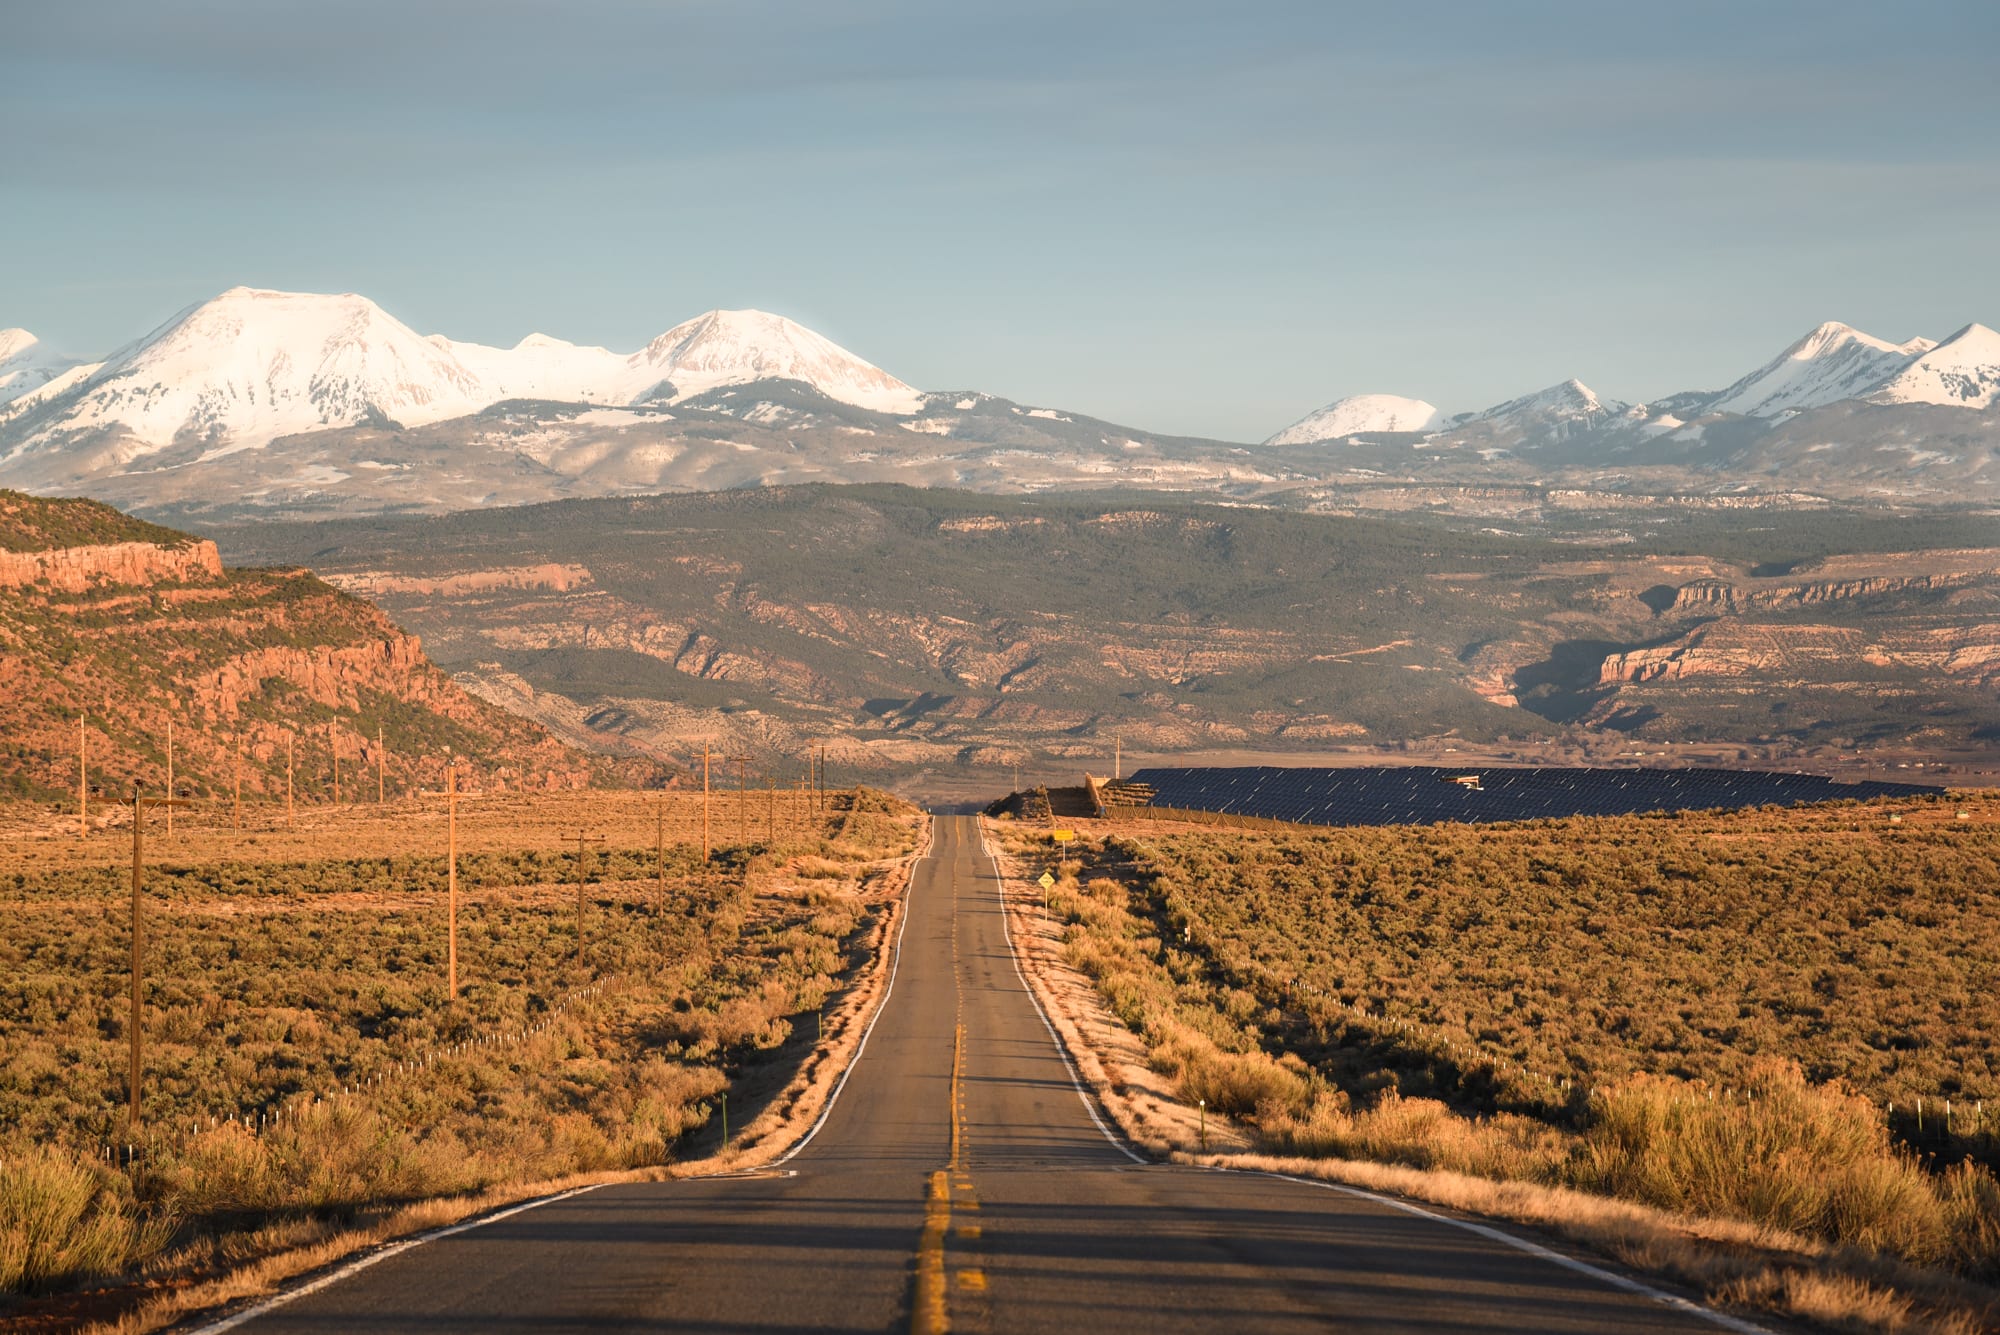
point(709, 352)
point(540, 367)
point(742, 347)
point(1358, 415)
point(1833, 362)
point(26, 364)
point(310, 404)
point(1961, 372)
point(250, 366)
point(1555, 413)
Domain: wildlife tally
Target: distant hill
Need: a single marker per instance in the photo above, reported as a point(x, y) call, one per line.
point(925, 628)
point(124, 625)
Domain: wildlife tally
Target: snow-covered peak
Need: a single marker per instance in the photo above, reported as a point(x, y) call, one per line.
point(1359, 414)
point(540, 367)
point(254, 364)
point(1832, 362)
point(1961, 372)
point(26, 364)
point(1570, 401)
point(738, 347)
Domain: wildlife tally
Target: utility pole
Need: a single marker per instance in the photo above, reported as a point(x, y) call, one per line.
point(82, 782)
point(451, 882)
point(291, 749)
point(819, 783)
point(333, 745)
point(170, 774)
point(704, 804)
point(236, 785)
point(139, 805)
point(1117, 757)
point(381, 769)
point(770, 810)
point(660, 855)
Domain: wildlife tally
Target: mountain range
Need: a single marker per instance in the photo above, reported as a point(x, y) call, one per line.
point(313, 404)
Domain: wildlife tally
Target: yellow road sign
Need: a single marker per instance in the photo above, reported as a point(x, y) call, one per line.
point(1047, 881)
point(1062, 836)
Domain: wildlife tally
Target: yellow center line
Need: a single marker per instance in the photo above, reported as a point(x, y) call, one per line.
point(928, 1312)
point(957, 1062)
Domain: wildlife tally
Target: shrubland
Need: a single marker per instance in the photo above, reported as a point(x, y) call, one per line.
point(304, 1059)
point(1709, 1014)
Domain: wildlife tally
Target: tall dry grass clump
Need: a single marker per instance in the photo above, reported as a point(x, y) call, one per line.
point(60, 1216)
point(1810, 1159)
point(1420, 1133)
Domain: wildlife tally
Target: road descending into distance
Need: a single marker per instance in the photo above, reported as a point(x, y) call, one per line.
point(961, 1179)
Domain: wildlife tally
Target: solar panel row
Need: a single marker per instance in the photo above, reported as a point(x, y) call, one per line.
point(1424, 795)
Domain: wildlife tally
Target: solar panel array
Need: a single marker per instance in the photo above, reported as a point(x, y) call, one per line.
point(1423, 795)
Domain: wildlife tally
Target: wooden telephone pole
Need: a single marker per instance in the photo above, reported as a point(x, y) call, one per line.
point(451, 882)
point(704, 804)
point(381, 770)
point(170, 775)
point(82, 782)
point(236, 788)
point(291, 749)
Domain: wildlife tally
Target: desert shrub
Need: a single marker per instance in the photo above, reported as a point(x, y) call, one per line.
point(1814, 1160)
point(1389, 994)
point(62, 1216)
point(304, 1060)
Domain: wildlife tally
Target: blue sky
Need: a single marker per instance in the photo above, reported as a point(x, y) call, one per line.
point(1197, 218)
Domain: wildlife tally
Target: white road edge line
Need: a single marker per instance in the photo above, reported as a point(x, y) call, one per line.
point(353, 1267)
point(1076, 1079)
point(1535, 1249)
point(1611, 1277)
point(356, 1266)
point(895, 963)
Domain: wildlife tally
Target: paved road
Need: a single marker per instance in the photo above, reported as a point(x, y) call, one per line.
point(1015, 1214)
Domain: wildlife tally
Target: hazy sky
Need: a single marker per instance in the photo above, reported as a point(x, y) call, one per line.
point(1202, 218)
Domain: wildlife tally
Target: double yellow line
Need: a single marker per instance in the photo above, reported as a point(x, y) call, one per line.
point(928, 1315)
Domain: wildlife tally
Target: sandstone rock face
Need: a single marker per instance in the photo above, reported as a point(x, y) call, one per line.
point(554, 577)
point(1823, 655)
point(330, 675)
point(141, 564)
point(268, 665)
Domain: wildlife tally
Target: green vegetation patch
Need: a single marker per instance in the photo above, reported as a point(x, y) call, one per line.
point(40, 523)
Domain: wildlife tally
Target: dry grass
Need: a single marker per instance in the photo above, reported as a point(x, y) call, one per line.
point(488, 822)
point(303, 1246)
point(1793, 1203)
point(620, 1078)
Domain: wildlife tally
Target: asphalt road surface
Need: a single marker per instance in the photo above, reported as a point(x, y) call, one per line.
point(961, 1179)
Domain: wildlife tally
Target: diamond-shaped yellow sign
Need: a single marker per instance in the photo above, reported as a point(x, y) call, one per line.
point(1047, 881)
